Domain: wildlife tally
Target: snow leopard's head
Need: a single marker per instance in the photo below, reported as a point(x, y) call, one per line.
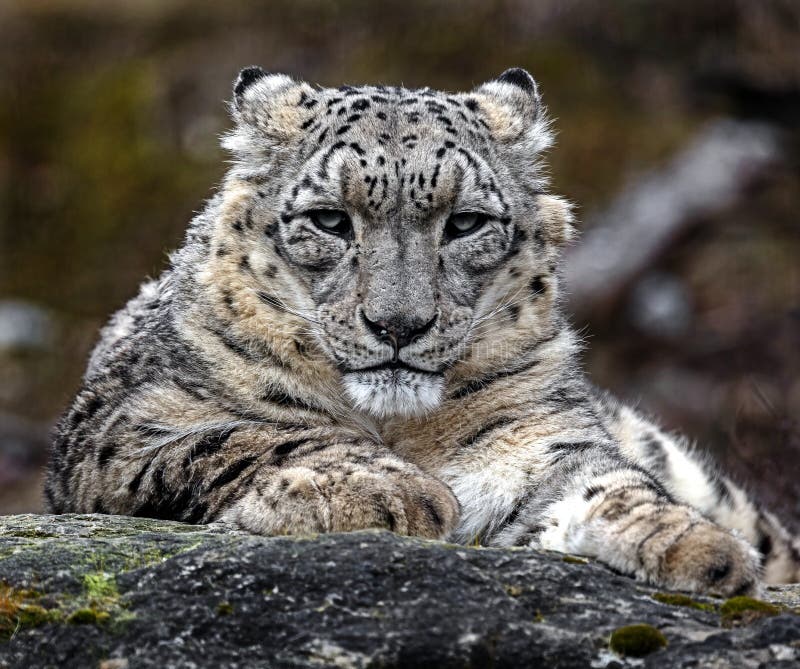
point(408, 229)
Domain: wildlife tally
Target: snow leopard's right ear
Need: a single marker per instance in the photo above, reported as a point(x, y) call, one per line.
point(267, 108)
point(514, 111)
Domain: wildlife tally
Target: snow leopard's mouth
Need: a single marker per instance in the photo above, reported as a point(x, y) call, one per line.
point(391, 366)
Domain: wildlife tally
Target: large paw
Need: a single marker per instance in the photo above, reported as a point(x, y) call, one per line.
point(706, 558)
point(406, 503)
point(345, 497)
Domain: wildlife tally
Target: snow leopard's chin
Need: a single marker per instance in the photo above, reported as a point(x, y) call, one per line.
point(394, 392)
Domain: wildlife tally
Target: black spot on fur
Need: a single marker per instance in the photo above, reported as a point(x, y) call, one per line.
point(105, 455)
point(136, 481)
point(561, 450)
point(593, 491)
point(211, 443)
point(93, 406)
point(282, 450)
point(495, 424)
point(231, 472)
point(537, 286)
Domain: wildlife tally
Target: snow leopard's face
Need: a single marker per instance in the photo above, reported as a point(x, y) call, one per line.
point(407, 219)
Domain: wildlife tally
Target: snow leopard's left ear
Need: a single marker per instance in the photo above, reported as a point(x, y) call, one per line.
point(514, 112)
point(267, 108)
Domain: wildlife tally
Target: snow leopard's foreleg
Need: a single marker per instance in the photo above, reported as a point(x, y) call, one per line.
point(596, 502)
point(265, 477)
point(693, 479)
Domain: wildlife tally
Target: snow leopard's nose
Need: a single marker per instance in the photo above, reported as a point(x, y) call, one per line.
point(398, 331)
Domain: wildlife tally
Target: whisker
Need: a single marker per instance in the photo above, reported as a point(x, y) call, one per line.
point(503, 304)
point(279, 304)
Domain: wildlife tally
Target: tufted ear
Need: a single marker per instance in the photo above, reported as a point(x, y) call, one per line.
point(514, 111)
point(268, 109)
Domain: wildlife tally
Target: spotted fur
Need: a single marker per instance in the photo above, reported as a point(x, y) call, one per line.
point(399, 360)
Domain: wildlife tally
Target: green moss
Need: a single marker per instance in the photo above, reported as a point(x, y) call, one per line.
point(744, 610)
point(32, 615)
point(636, 640)
point(145, 559)
point(675, 599)
point(17, 611)
point(100, 585)
point(224, 609)
point(571, 559)
point(513, 590)
point(538, 618)
point(32, 534)
point(88, 616)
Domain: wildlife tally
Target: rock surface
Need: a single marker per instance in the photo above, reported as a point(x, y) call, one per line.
point(113, 592)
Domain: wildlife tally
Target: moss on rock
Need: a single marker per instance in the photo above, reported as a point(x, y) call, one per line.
point(88, 616)
point(677, 599)
point(636, 640)
point(100, 585)
point(744, 610)
point(18, 612)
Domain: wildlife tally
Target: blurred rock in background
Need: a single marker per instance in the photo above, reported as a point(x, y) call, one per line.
point(110, 115)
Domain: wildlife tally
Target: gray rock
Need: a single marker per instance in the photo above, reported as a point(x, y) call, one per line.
point(24, 325)
point(114, 592)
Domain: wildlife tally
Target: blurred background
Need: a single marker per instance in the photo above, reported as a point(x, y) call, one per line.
point(678, 140)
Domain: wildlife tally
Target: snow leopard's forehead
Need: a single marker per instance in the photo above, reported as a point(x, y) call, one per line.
point(389, 117)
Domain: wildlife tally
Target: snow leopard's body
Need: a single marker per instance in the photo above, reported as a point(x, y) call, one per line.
point(362, 329)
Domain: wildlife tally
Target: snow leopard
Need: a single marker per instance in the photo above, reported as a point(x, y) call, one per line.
point(364, 328)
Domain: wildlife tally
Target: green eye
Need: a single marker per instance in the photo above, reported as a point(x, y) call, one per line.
point(464, 223)
point(332, 221)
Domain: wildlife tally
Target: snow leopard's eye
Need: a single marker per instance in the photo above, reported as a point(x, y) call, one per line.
point(332, 221)
point(464, 223)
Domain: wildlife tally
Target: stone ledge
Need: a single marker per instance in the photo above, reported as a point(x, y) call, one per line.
point(116, 592)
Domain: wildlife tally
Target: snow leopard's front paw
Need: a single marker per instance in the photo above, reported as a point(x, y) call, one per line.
point(707, 558)
point(345, 496)
point(633, 529)
point(404, 502)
